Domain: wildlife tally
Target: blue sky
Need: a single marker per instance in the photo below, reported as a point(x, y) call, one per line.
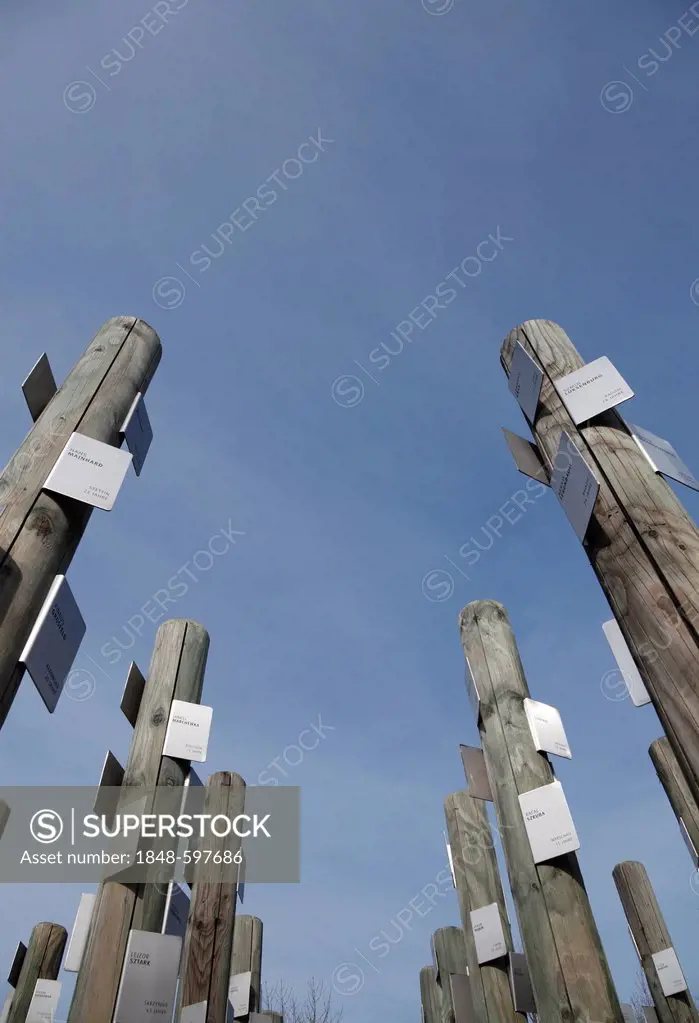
point(445, 128)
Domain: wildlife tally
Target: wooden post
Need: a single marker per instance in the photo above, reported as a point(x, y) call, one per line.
point(569, 972)
point(478, 884)
point(247, 955)
point(650, 935)
point(208, 943)
point(176, 672)
point(641, 543)
point(39, 531)
point(677, 790)
point(42, 962)
point(429, 995)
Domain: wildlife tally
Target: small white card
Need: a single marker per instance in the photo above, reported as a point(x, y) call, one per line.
point(548, 822)
point(488, 934)
point(187, 736)
point(575, 485)
point(525, 381)
point(239, 993)
point(450, 858)
point(547, 728)
point(194, 1013)
point(90, 471)
point(137, 432)
point(54, 641)
point(176, 911)
point(44, 1004)
point(669, 971)
point(662, 457)
point(149, 978)
point(627, 666)
point(592, 389)
point(80, 933)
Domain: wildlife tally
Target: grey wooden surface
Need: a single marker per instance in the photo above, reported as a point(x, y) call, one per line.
point(642, 544)
point(39, 532)
point(676, 788)
point(42, 961)
point(430, 998)
point(570, 976)
point(478, 884)
point(651, 935)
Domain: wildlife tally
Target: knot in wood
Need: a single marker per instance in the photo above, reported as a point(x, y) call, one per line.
point(653, 533)
point(41, 524)
point(158, 717)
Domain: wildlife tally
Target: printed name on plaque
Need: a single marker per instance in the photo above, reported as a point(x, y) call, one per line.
point(90, 471)
point(78, 936)
point(137, 432)
point(627, 666)
point(662, 457)
point(525, 381)
point(44, 1003)
point(669, 971)
point(53, 642)
point(547, 728)
point(149, 978)
point(575, 485)
point(488, 934)
point(548, 822)
point(187, 736)
point(239, 993)
point(592, 389)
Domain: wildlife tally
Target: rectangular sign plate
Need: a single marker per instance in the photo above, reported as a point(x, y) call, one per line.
point(149, 978)
point(239, 994)
point(525, 381)
point(627, 666)
point(187, 736)
point(650, 1014)
point(575, 485)
point(137, 432)
point(473, 694)
point(527, 457)
point(627, 1011)
point(80, 932)
point(663, 457)
point(689, 843)
point(176, 911)
point(17, 963)
point(39, 387)
point(194, 1013)
point(133, 694)
point(592, 389)
point(450, 858)
point(547, 728)
point(669, 971)
point(53, 642)
point(461, 998)
point(44, 1004)
point(520, 983)
point(89, 471)
point(488, 934)
point(473, 759)
point(548, 822)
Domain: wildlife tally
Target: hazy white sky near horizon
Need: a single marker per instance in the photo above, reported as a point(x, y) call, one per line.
point(446, 128)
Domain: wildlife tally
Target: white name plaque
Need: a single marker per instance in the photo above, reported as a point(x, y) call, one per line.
point(44, 1004)
point(547, 728)
point(575, 485)
point(663, 457)
point(90, 471)
point(194, 1013)
point(187, 736)
point(149, 978)
point(488, 933)
point(592, 389)
point(239, 994)
point(137, 432)
point(669, 971)
point(80, 932)
point(53, 642)
point(627, 666)
point(525, 381)
point(548, 822)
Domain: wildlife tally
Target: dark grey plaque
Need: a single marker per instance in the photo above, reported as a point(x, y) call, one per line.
point(461, 997)
point(15, 969)
point(476, 772)
point(39, 387)
point(627, 1011)
point(527, 457)
point(520, 983)
point(110, 783)
point(650, 1014)
point(133, 692)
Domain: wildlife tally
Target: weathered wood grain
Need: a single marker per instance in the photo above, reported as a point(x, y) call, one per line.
point(676, 788)
point(42, 961)
point(39, 532)
point(177, 664)
point(478, 884)
point(651, 935)
point(247, 955)
point(642, 545)
point(569, 971)
point(430, 997)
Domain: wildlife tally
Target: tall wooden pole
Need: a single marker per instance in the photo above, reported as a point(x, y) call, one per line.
point(40, 531)
point(641, 543)
point(42, 962)
point(177, 667)
point(478, 884)
point(677, 790)
point(570, 976)
point(650, 935)
point(208, 943)
point(430, 998)
point(247, 955)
